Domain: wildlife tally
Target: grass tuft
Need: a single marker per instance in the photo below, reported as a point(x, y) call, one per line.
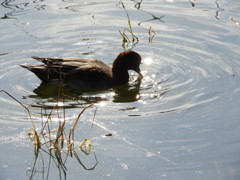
point(57, 143)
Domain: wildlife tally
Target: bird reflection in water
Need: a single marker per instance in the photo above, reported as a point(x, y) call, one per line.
point(54, 93)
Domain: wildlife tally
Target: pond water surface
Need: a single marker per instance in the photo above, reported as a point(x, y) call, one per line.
point(180, 122)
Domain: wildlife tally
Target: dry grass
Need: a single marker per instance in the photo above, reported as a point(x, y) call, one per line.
point(128, 36)
point(56, 142)
point(131, 38)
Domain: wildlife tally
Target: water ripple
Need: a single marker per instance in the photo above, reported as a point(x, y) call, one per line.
point(175, 122)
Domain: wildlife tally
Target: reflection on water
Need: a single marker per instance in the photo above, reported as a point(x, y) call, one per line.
point(181, 121)
point(17, 9)
point(77, 6)
point(54, 93)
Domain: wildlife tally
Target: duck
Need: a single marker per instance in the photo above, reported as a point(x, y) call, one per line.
point(87, 73)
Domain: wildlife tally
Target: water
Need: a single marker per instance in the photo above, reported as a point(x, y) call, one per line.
point(180, 122)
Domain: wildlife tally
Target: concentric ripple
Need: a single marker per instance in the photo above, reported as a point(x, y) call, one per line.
point(180, 120)
point(179, 69)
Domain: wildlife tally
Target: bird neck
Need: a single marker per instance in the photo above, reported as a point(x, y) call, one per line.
point(120, 76)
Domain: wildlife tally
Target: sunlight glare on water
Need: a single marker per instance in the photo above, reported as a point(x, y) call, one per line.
point(179, 122)
point(148, 61)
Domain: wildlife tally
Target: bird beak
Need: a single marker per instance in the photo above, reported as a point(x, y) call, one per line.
point(139, 73)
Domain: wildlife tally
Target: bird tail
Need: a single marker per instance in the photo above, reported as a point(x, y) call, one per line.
point(27, 67)
point(38, 58)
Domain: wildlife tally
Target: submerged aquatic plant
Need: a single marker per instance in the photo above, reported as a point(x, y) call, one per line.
point(55, 143)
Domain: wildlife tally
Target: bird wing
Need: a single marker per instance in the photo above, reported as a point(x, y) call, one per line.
point(70, 68)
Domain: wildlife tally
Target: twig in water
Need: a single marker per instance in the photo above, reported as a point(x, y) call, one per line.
point(134, 39)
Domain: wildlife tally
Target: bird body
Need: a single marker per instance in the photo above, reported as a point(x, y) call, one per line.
point(87, 73)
